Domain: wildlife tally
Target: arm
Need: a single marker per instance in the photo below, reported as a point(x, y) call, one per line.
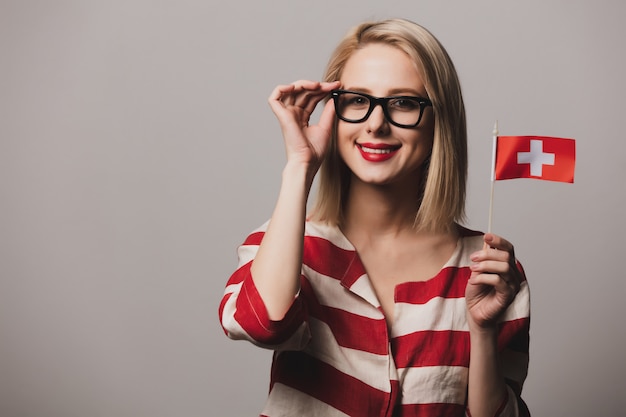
point(277, 266)
point(492, 288)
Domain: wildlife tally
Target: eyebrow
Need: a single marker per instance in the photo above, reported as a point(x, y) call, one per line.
point(392, 92)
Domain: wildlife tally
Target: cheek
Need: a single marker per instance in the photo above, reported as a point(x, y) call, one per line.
point(346, 135)
point(344, 131)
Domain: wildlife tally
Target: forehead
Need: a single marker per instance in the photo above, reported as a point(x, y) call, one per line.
point(380, 68)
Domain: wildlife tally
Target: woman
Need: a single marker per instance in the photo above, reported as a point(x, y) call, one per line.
point(380, 303)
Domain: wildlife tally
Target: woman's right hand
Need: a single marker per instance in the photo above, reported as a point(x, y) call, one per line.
point(293, 105)
point(277, 266)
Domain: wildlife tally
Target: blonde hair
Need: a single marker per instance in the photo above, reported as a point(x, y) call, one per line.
point(443, 180)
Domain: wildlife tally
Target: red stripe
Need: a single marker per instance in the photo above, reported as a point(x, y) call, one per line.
point(514, 335)
point(349, 330)
point(240, 274)
point(432, 348)
point(356, 332)
point(251, 315)
point(452, 348)
point(324, 257)
point(449, 283)
point(320, 380)
point(254, 238)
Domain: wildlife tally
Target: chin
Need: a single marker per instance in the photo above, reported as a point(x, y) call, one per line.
point(374, 180)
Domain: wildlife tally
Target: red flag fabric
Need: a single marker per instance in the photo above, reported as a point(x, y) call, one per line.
point(539, 157)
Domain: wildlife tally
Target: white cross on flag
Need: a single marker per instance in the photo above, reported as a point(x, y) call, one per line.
point(539, 157)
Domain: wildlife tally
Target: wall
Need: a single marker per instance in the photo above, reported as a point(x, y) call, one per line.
point(137, 150)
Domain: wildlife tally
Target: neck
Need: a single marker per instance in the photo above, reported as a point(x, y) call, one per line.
point(377, 210)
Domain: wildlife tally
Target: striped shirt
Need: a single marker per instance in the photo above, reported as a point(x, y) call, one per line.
point(334, 354)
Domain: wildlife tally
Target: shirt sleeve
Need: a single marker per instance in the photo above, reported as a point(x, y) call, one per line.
point(513, 343)
point(514, 350)
point(513, 346)
point(243, 313)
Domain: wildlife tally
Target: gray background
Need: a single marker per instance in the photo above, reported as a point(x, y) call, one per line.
point(137, 151)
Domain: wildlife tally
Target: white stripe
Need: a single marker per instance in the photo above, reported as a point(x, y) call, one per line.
point(437, 314)
point(433, 384)
point(331, 234)
point(246, 253)
point(331, 293)
point(284, 401)
point(361, 365)
point(363, 288)
point(449, 314)
point(232, 326)
point(233, 288)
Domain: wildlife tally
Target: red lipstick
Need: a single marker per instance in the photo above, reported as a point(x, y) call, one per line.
point(377, 152)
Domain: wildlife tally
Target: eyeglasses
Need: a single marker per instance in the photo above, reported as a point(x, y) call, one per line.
point(401, 111)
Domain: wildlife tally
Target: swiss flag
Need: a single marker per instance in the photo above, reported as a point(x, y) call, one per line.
point(539, 157)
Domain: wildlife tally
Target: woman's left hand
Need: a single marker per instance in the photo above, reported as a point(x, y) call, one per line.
point(493, 284)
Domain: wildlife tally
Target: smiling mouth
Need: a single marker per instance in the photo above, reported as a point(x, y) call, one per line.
point(378, 149)
point(377, 152)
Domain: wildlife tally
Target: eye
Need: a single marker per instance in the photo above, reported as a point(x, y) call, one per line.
point(404, 104)
point(355, 101)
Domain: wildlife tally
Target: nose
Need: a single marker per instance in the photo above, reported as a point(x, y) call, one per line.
point(376, 122)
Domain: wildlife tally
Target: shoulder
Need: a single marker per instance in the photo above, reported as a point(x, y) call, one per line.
point(313, 231)
point(470, 240)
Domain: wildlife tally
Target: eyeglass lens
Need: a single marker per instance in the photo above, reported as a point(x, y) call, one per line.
point(354, 107)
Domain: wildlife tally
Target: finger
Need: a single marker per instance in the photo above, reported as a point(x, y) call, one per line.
point(492, 267)
point(497, 242)
point(497, 262)
point(319, 94)
point(287, 93)
point(285, 96)
point(310, 100)
point(329, 86)
point(498, 271)
point(276, 96)
point(289, 98)
point(316, 87)
point(491, 280)
point(302, 96)
point(491, 254)
point(307, 84)
point(495, 281)
point(328, 116)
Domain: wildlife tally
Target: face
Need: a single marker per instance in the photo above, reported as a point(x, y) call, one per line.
point(376, 151)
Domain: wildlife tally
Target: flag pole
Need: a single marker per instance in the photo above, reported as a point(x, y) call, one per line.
point(493, 175)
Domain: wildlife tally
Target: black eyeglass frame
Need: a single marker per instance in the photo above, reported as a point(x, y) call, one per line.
point(383, 102)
